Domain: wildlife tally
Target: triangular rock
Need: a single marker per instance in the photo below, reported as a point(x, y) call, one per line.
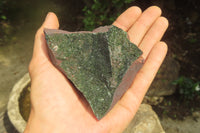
point(101, 64)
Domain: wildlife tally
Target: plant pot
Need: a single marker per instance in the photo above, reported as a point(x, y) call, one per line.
point(13, 107)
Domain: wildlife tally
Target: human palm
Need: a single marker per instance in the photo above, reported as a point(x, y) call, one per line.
point(58, 107)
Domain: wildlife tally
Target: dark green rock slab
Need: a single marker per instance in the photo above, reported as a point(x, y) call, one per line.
point(101, 64)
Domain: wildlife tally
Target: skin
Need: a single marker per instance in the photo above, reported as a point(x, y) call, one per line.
point(58, 108)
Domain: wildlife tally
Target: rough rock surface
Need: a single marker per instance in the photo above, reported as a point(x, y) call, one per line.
point(101, 64)
point(145, 121)
point(152, 100)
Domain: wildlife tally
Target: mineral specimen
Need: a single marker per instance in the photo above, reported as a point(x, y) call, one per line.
point(101, 64)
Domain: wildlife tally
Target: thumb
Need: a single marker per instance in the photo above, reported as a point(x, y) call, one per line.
point(40, 52)
point(51, 21)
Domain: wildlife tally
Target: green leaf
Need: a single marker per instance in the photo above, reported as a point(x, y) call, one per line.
point(128, 1)
point(3, 17)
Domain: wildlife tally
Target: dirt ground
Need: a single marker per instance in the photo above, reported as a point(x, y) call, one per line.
point(188, 125)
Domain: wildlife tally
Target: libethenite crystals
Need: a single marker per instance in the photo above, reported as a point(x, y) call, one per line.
point(101, 64)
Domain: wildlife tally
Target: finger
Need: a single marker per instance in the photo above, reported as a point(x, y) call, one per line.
point(153, 35)
point(144, 22)
point(126, 19)
point(125, 109)
point(51, 22)
point(147, 73)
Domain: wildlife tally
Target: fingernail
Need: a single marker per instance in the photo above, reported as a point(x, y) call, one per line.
point(48, 14)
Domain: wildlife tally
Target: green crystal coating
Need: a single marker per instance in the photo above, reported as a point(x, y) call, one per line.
point(95, 62)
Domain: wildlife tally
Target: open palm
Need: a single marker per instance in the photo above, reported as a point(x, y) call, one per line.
point(57, 106)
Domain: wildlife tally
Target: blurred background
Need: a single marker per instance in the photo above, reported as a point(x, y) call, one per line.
point(175, 92)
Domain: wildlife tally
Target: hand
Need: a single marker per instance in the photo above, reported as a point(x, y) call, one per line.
point(57, 108)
